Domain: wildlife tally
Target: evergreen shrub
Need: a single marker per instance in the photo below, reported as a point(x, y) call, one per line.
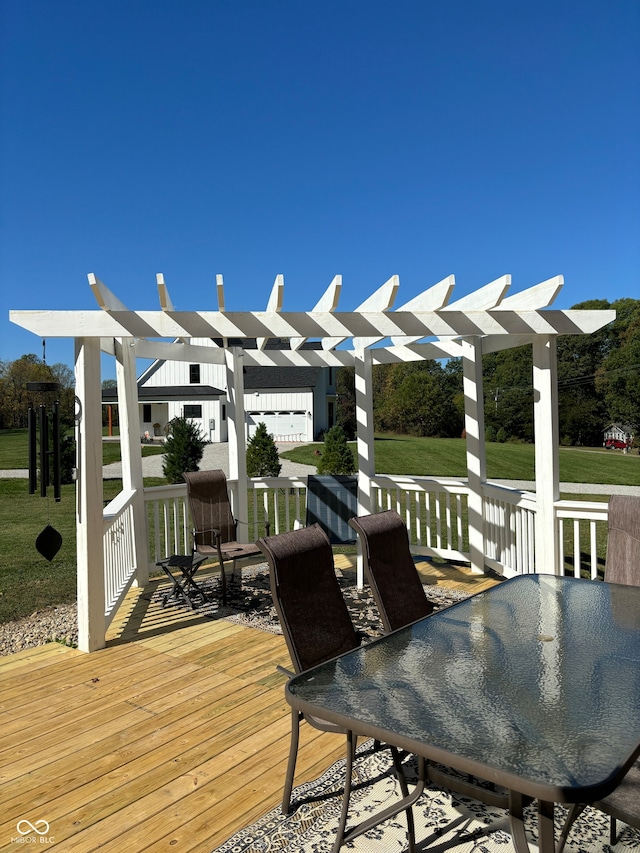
point(337, 457)
point(262, 454)
point(183, 449)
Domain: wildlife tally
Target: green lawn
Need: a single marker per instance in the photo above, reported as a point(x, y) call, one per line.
point(14, 449)
point(445, 457)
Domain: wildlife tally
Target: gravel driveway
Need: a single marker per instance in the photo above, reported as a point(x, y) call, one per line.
point(215, 456)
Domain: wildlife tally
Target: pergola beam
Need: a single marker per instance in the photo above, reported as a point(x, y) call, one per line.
point(215, 324)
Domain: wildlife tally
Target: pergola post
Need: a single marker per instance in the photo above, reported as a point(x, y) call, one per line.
point(547, 440)
point(237, 437)
point(132, 478)
point(365, 440)
point(476, 458)
point(89, 496)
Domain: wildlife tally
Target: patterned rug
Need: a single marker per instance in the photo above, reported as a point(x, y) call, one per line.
point(443, 822)
point(249, 600)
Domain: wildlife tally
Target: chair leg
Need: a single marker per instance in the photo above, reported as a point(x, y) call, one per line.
point(291, 764)
point(573, 814)
point(223, 584)
point(613, 832)
point(347, 792)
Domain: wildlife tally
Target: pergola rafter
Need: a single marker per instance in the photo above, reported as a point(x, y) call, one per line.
point(428, 326)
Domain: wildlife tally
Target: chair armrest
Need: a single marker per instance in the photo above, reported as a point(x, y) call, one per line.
point(284, 671)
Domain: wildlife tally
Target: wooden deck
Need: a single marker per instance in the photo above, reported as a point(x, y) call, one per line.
point(172, 738)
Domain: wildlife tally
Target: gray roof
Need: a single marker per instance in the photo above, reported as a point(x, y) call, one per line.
point(280, 377)
point(160, 393)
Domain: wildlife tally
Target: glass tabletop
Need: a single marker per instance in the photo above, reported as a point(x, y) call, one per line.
point(534, 684)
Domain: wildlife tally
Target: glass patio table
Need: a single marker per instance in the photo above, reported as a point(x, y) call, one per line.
point(533, 685)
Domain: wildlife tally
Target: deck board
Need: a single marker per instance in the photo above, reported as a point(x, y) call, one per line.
point(172, 738)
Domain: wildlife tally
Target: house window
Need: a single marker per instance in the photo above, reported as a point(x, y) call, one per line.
point(194, 374)
point(146, 413)
point(193, 411)
point(224, 412)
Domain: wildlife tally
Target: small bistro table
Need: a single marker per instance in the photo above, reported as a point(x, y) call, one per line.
point(533, 685)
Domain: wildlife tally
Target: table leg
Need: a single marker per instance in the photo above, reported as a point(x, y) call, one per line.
point(546, 840)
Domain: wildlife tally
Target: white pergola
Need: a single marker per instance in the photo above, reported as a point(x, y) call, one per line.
point(429, 326)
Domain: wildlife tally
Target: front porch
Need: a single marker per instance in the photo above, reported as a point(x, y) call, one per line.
point(173, 737)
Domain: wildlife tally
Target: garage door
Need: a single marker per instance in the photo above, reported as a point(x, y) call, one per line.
point(283, 426)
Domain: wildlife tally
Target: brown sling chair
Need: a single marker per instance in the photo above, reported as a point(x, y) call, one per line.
point(400, 598)
point(317, 627)
point(214, 527)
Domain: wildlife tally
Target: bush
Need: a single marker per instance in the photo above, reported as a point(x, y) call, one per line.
point(501, 435)
point(490, 433)
point(183, 449)
point(262, 454)
point(337, 457)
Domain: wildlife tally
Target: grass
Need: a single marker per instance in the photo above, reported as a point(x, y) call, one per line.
point(14, 450)
point(445, 457)
point(29, 583)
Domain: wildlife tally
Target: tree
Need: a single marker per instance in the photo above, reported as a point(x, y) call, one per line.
point(618, 378)
point(508, 388)
point(262, 454)
point(336, 457)
point(15, 397)
point(418, 399)
point(346, 401)
point(183, 449)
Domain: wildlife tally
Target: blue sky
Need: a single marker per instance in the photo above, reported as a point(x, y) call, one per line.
point(312, 139)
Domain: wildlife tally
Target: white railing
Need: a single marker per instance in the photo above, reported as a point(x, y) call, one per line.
point(509, 529)
point(435, 511)
point(119, 551)
point(580, 525)
point(168, 525)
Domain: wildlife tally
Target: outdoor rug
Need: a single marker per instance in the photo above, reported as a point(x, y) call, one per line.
point(249, 600)
point(443, 822)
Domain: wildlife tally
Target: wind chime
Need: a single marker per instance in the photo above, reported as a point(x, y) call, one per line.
point(44, 435)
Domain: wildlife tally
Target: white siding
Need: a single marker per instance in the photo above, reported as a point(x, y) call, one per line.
point(293, 413)
point(284, 426)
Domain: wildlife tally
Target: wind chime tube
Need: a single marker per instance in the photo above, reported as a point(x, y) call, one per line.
point(44, 456)
point(33, 453)
point(55, 430)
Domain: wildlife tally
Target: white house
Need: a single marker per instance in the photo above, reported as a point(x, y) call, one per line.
point(295, 403)
point(618, 436)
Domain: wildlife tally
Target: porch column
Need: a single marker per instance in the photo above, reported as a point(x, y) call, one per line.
point(132, 479)
point(236, 421)
point(365, 441)
point(89, 496)
point(547, 440)
point(476, 458)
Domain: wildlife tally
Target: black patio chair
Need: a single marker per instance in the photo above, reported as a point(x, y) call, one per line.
point(392, 574)
point(317, 627)
point(214, 527)
point(401, 600)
